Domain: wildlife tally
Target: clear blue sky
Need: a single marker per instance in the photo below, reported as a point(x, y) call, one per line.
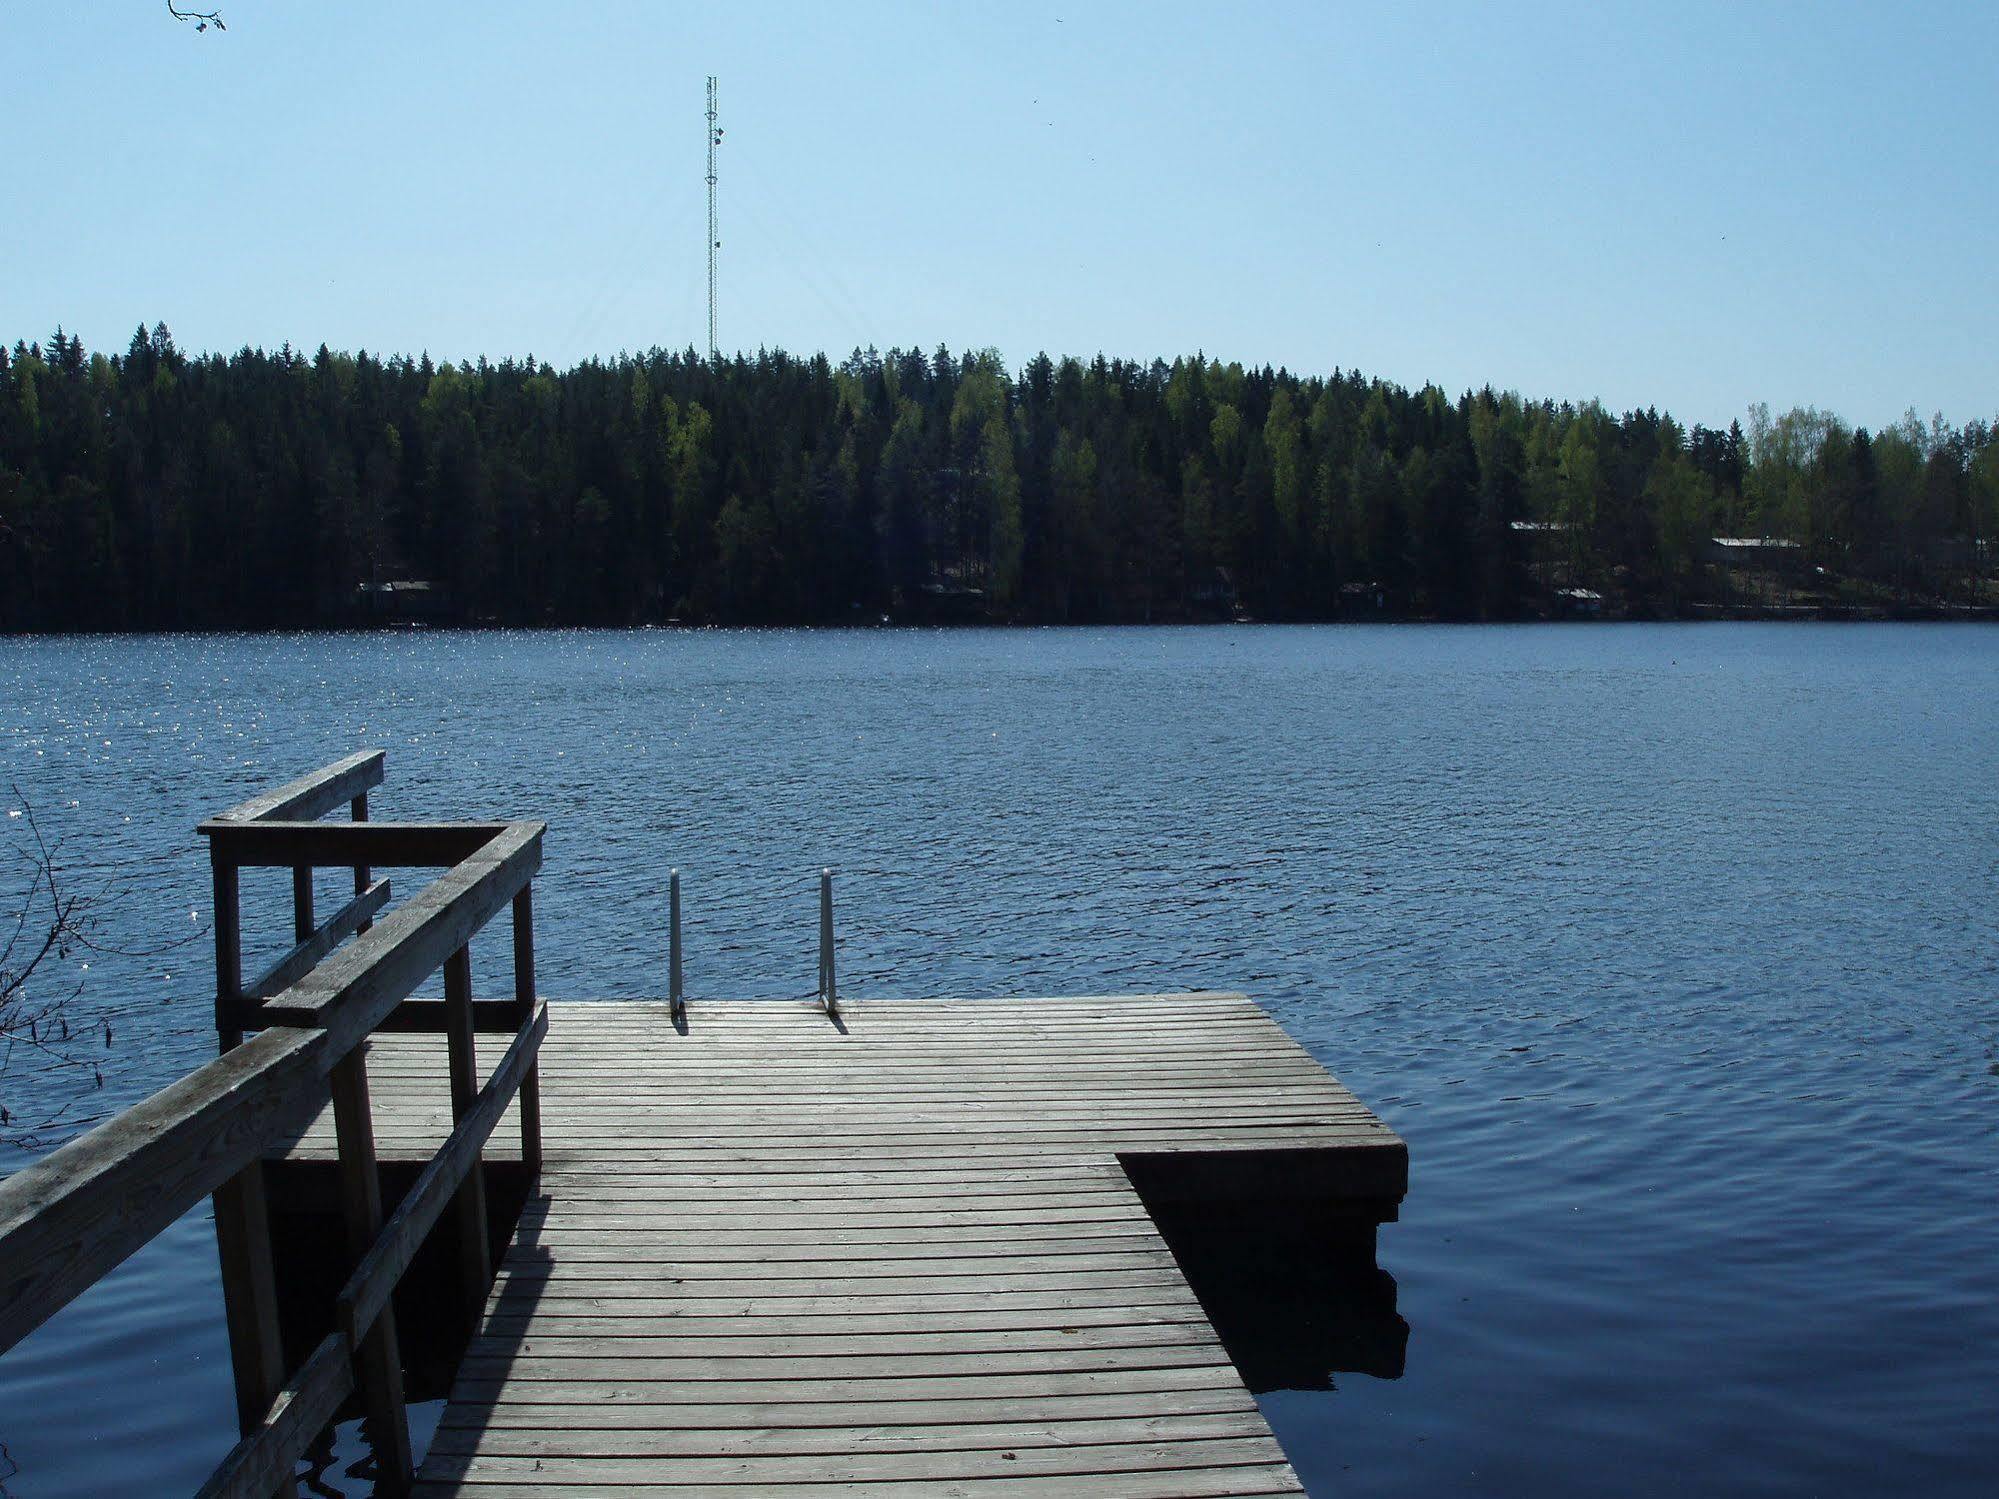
point(1694, 205)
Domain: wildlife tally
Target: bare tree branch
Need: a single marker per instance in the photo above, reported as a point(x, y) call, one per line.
point(203, 19)
point(50, 925)
point(39, 1020)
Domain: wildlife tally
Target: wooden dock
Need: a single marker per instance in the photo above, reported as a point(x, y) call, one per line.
point(897, 1253)
point(900, 1247)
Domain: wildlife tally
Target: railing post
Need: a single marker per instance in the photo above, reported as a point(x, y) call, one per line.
point(363, 876)
point(249, 1293)
point(378, 1367)
point(676, 996)
point(829, 990)
point(302, 922)
point(475, 1256)
point(524, 1011)
point(228, 915)
point(242, 1212)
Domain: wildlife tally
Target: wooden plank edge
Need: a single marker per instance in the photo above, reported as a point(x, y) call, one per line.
point(272, 844)
point(301, 960)
point(314, 794)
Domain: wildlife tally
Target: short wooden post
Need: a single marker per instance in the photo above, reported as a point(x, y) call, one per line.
point(475, 1257)
point(530, 1094)
point(249, 1293)
point(829, 990)
point(228, 917)
point(363, 876)
point(676, 997)
point(378, 1365)
point(301, 902)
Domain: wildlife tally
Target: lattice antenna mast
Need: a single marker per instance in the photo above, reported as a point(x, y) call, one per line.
point(714, 243)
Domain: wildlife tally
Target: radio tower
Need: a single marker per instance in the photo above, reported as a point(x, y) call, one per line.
point(714, 244)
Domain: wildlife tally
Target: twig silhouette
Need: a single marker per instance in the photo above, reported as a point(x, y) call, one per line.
point(203, 19)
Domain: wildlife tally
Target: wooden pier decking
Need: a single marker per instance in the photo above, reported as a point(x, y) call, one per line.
point(893, 1255)
point(873, 1247)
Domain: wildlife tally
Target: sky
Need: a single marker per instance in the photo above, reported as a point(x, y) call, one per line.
point(1690, 205)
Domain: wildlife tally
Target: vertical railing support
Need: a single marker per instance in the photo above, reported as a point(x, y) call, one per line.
point(530, 1094)
point(302, 902)
point(242, 1212)
point(676, 997)
point(228, 916)
point(829, 989)
point(363, 876)
point(249, 1293)
point(378, 1365)
point(475, 1254)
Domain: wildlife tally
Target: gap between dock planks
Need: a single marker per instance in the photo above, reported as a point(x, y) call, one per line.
point(894, 1257)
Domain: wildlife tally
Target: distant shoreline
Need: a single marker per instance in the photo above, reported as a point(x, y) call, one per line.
point(153, 489)
point(1968, 614)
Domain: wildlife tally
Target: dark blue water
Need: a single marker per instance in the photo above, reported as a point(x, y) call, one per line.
point(1672, 951)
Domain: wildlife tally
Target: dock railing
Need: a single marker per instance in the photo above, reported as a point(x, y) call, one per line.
point(67, 1220)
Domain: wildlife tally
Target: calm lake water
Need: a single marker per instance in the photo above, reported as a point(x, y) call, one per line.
point(1672, 952)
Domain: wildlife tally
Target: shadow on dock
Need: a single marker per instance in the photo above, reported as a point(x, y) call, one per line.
point(305, 1222)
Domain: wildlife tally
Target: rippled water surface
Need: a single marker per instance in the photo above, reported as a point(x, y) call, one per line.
point(1672, 951)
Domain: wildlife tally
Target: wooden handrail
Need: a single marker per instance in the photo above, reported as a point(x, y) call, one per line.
point(314, 795)
point(68, 1219)
point(354, 990)
point(297, 963)
point(313, 1396)
point(78, 1212)
point(332, 845)
point(416, 1016)
point(267, 1457)
point(427, 1017)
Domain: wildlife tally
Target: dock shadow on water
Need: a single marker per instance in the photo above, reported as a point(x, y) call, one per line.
point(1291, 1284)
point(308, 1236)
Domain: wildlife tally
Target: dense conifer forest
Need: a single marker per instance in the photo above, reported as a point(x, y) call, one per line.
point(155, 489)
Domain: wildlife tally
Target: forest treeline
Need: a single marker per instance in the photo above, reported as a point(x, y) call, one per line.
point(155, 489)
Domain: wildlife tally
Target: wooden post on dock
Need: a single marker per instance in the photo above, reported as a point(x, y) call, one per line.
point(828, 989)
point(302, 922)
point(378, 1362)
point(242, 1210)
point(523, 1011)
point(676, 997)
point(475, 1256)
point(363, 875)
point(249, 1293)
point(228, 917)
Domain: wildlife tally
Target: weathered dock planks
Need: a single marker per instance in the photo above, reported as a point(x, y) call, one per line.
point(891, 1253)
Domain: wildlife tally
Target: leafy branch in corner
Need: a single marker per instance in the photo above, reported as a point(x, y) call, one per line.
point(203, 19)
